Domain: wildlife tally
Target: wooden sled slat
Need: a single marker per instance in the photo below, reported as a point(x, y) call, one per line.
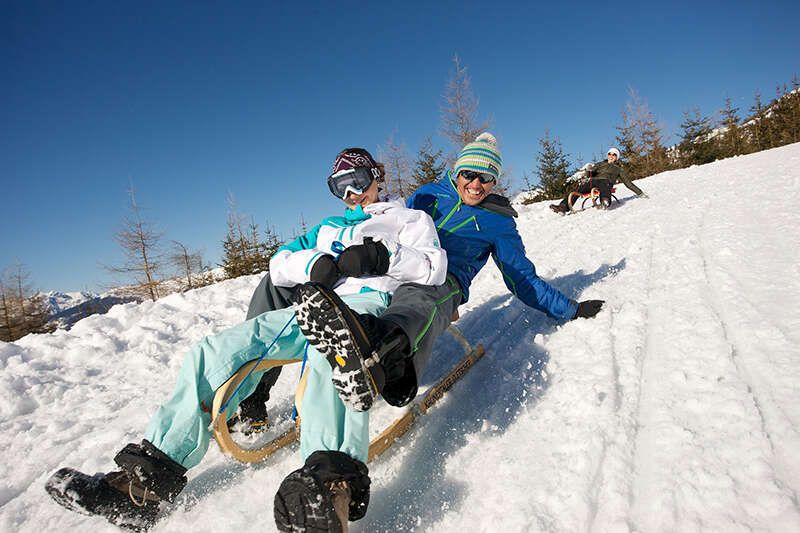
point(219, 421)
point(400, 427)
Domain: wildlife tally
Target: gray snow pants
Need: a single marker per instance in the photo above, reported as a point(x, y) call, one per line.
point(423, 312)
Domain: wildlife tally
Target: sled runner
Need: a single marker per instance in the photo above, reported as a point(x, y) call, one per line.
point(380, 444)
point(589, 199)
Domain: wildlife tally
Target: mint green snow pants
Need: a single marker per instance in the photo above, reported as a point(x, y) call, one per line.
point(180, 427)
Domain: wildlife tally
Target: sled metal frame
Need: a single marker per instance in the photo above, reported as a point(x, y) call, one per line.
point(379, 444)
point(592, 196)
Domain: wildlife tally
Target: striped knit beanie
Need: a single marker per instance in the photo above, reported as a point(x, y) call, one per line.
point(481, 155)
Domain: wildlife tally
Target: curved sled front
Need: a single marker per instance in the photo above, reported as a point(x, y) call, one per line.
point(219, 425)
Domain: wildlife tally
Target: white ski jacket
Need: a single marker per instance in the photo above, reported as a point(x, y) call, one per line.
point(409, 234)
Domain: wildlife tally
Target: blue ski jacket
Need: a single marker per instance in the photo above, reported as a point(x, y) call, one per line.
point(470, 234)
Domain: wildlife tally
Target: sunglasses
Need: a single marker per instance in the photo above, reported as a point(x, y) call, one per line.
point(469, 175)
point(611, 153)
point(354, 180)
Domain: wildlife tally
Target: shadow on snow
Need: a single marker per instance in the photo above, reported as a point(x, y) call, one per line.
point(489, 398)
point(509, 377)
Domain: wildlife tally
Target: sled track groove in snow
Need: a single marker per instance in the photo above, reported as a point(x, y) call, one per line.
point(764, 404)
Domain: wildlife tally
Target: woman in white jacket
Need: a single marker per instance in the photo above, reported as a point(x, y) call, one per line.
point(364, 255)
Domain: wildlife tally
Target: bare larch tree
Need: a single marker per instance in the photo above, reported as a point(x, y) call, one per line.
point(189, 264)
point(397, 164)
point(459, 114)
point(140, 244)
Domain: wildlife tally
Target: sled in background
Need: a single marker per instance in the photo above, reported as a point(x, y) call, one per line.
point(380, 444)
point(590, 199)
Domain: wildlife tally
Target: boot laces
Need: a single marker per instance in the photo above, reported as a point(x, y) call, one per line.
point(143, 501)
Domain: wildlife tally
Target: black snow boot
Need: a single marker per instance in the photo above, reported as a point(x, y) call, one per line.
point(559, 208)
point(253, 416)
point(153, 469)
point(361, 349)
point(331, 489)
point(129, 498)
point(116, 496)
point(247, 425)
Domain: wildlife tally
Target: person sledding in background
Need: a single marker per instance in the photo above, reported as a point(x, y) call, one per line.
point(387, 354)
point(602, 175)
point(363, 255)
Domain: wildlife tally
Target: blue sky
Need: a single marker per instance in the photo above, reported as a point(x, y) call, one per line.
point(192, 101)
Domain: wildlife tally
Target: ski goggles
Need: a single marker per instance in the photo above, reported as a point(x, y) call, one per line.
point(354, 180)
point(470, 175)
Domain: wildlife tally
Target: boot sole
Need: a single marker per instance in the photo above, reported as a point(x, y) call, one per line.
point(57, 487)
point(325, 326)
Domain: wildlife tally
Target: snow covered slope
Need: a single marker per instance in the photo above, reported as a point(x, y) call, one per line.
point(676, 409)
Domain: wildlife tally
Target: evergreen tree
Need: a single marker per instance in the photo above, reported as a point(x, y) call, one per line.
point(641, 139)
point(777, 123)
point(628, 141)
point(697, 145)
point(779, 119)
point(7, 318)
point(245, 252)
point(758, 125)
point(37, 314)
point(552, 168)
point(785, 115)
point(428, 167)
point(793, 102)
point(733, 141)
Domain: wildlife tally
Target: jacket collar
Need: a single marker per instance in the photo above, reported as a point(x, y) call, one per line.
point(355, 215)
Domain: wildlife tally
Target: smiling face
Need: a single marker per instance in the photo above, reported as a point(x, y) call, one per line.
point(472, 192)
point(611, 157)
point(370, 196)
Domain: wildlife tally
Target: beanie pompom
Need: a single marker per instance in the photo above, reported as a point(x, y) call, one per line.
point(487, 138)
point(481, 155)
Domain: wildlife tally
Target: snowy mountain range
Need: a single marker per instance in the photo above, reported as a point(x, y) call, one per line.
point(676, 409)
point(66, 308)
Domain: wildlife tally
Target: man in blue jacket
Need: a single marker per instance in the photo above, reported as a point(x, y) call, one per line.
point(371, 355)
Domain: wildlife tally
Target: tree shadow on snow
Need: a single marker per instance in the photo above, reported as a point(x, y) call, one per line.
point(488, 399)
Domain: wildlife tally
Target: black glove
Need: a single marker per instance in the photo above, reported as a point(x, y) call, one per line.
point(370, 258)
point(588, 308)
point(325, 271)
